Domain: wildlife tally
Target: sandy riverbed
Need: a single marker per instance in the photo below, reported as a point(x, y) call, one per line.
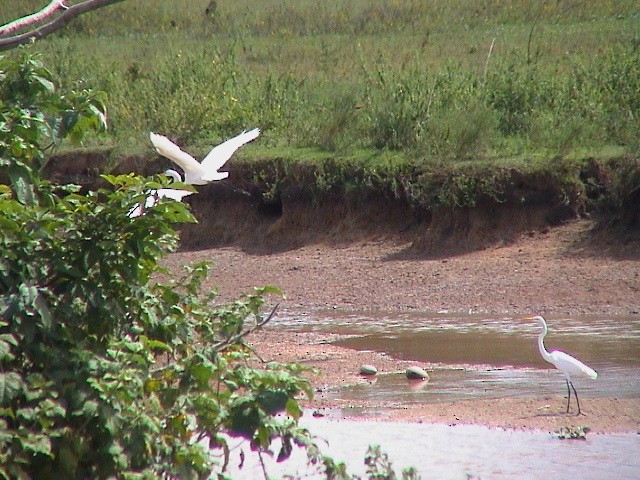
point(553, 272)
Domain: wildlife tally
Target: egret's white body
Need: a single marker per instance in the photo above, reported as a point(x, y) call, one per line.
point(155, 196)
point(201, 173)
point(564, 362)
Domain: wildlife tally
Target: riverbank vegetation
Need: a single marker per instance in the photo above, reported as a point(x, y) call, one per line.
point(436, 102)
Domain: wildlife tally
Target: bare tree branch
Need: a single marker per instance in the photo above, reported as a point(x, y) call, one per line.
point(19, 23)
point(65, 17)
point(236, 338)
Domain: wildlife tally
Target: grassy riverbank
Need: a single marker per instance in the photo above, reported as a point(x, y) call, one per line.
point(438, 102)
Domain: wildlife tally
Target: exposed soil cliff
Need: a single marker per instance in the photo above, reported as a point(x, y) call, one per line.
point(227, 216)
point(236, 212)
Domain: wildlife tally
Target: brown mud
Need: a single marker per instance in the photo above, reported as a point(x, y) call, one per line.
point(383, 256)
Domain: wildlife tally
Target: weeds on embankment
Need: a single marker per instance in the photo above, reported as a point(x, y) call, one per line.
point(411, 90)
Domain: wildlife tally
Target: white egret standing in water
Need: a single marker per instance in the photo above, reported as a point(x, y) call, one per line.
point(564, 362)
point(201, 173)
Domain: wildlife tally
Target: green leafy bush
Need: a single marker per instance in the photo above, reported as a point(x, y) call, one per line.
point(34, 117)
point(104, 372)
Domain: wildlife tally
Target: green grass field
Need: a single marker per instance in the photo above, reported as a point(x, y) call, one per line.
point(418, 83)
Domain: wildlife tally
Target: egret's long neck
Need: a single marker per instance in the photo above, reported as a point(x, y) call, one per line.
point(173, 174)
point(543, 351)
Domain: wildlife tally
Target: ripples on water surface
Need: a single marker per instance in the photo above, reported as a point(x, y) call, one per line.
point(464, 451)
point(478, 356)
point(472, 356)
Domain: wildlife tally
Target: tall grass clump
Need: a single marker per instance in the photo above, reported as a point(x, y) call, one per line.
point(440, 115)
point(514, 90)
point(191, 93)
point(582, 104)
point(618, 77)
point(276, 102)
point(399, 106)
point(455, 113)
point(185, 93)
point(333, 121)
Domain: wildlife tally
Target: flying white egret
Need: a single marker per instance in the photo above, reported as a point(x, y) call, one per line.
point(155, 196)
point(201, 173)
point(564, 362)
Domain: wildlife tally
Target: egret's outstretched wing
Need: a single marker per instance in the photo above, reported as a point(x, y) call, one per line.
point(217, 157)
point(167, 148)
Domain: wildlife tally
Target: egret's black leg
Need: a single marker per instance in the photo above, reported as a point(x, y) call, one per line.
point(576, 394)
point(236, 189)
point(569, 395)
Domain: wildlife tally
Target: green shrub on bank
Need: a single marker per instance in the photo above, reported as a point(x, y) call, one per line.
point(104, 372)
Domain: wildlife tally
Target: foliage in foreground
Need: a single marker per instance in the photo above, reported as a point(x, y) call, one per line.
point(105, 372)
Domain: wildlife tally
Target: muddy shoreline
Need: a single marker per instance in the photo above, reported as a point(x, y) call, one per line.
point(552, 272)
point(338, 367)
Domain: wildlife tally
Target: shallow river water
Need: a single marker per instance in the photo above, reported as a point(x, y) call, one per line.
point(460, 452)
point(475, 356)
point(472, 356)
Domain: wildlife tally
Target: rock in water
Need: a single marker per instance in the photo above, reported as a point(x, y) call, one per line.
point(368, 370)
point(416, 373)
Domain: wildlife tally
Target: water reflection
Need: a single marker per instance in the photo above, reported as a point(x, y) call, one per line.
point(447, 384)
point(476, 356)
point(392, 322)
point(489, 347)
point(464, 451)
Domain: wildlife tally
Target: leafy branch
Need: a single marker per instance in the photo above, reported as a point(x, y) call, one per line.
point(234, 339)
